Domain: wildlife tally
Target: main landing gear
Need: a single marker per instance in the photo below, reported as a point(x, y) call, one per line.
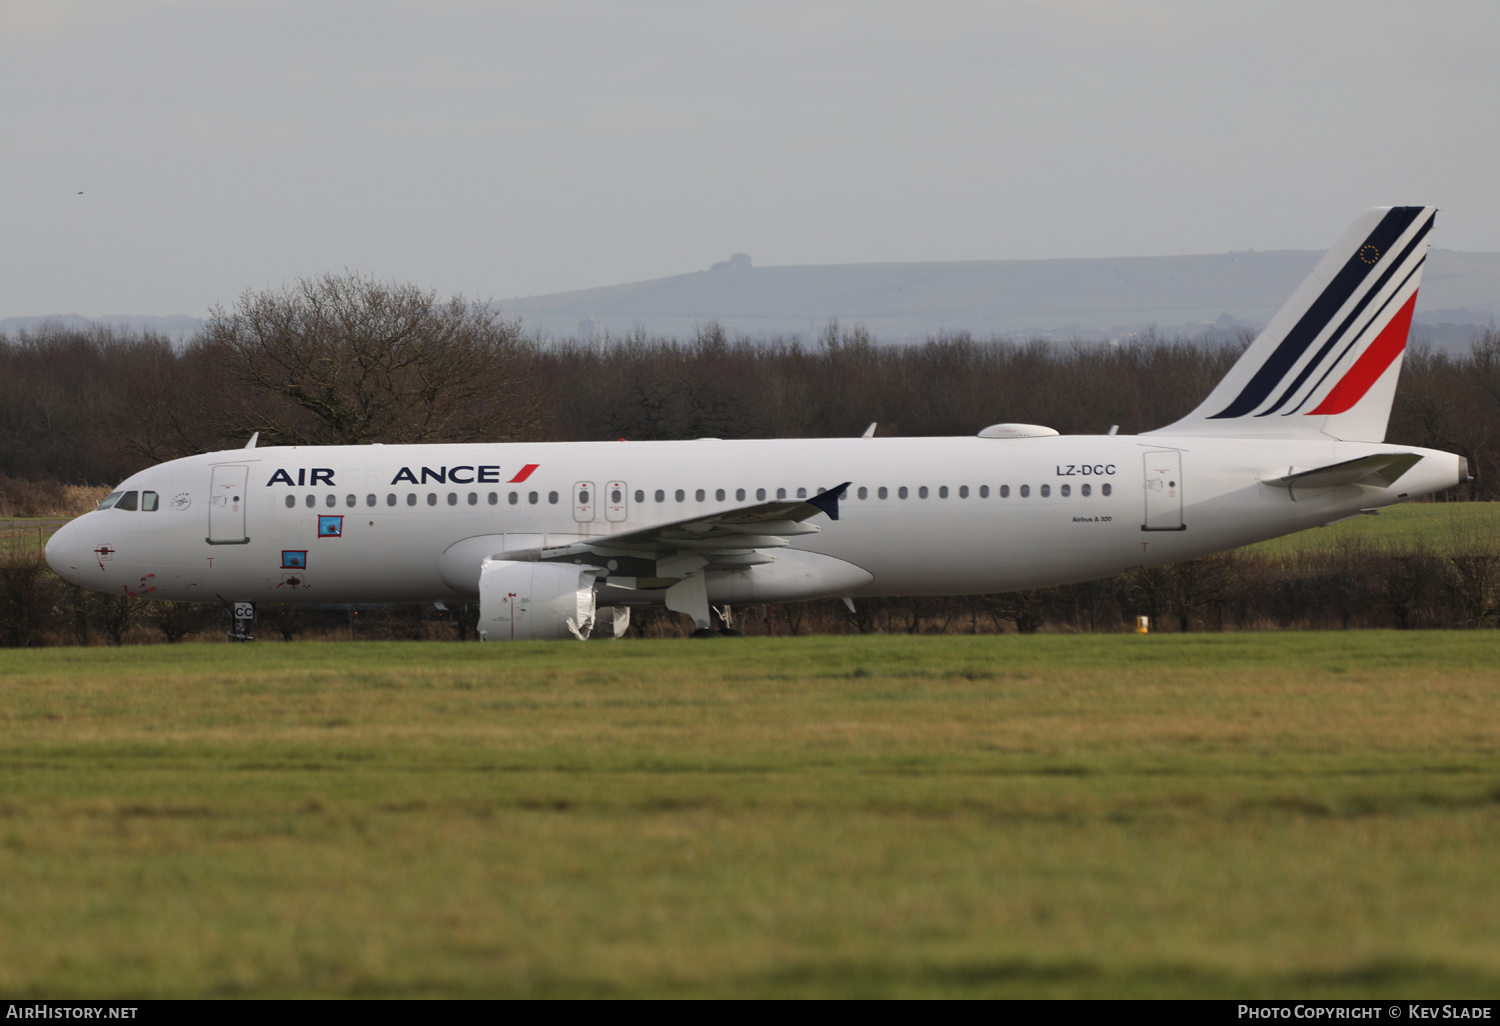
point(690, 596)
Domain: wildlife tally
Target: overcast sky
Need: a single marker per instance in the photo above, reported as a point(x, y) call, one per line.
point(505, 149)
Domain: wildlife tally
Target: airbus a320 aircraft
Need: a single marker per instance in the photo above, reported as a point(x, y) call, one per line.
point(554, 539)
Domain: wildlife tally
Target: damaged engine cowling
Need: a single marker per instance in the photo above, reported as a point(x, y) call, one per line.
point(535, 601)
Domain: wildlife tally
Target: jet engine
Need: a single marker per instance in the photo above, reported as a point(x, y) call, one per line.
point(541, 601)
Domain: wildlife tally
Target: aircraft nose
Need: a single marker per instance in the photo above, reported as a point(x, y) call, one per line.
point(62, 551)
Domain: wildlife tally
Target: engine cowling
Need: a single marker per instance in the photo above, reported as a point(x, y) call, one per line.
point(535, 601)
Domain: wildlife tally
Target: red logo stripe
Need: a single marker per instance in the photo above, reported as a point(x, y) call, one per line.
point(524, 474)
point(1367, 369)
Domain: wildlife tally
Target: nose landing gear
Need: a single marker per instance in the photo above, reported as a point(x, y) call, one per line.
point(242, 618)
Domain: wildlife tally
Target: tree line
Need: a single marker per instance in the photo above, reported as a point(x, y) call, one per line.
point(350, 360)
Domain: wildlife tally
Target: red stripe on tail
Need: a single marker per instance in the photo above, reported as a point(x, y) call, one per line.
point(1368, 368)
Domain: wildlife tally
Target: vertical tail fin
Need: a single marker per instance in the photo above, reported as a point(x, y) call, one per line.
point(1327, 363)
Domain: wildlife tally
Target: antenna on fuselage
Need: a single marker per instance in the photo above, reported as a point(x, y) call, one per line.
point(869, 431)
point(251, 444)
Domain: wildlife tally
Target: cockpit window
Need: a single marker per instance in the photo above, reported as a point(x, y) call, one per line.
point(109, 500)
point(149, 502)
point(127, 501)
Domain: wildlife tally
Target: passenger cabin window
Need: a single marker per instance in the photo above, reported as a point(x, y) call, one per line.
point(922, 492)
point(331, 501)
point(1066, 491)
point(781, 493)
point(109, 500)
point(760, 495)
point(312, 500)
point(1025, 491)
point(127, 501)
point(901, 492)
point(390, 499)
point(680, 496)
point(802, 493)
point(984, 491)
point(513, 498)
point(494, 498)
point(1084, 490)
point(149, 502)
point(1104, 489)
point(432, 498)
point(369, 500)
point(411, 498)
point(453, 498)
point(739, 495)
point(700, 495)
point(350, 501)
point(719, 495)
point(1046, 490)
point(473, 498)
point(884, 492)
point(661, 496)
point(291, 502)
point(963, 491)
point(532, 497)
point(552, 498)
point(863, 493)
point(1005, 491)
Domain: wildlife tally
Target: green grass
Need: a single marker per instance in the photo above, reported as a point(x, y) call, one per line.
point(1247, 815)
point(22, 539)
point(1441, 527)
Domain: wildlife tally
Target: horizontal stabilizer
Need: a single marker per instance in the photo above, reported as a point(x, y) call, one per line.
point(1381, 470)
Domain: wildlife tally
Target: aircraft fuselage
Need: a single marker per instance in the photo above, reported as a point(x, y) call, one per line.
point(358, 524)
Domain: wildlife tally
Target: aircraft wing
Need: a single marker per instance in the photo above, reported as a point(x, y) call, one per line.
point(1381, 470)
point(730, 538)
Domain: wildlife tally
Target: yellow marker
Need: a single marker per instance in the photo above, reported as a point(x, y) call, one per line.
point(1143, 625)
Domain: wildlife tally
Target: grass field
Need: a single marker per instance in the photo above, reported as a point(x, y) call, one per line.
point(1441, 527)
point(1187, 815)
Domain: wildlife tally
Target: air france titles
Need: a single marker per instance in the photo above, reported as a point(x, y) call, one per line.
point(309, 477)
point(450, 475)
point(306, 477)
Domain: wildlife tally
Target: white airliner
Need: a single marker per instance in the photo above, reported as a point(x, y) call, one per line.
point(552, 538)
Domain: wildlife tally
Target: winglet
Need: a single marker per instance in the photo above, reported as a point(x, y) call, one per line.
point(828, 501)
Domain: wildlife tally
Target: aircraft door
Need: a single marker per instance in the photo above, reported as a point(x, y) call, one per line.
point(583, 501)
point(1163, 492)
point(226, 506)
point(616, 502)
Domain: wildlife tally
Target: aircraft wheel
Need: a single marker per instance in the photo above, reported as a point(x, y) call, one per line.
point(704, 632)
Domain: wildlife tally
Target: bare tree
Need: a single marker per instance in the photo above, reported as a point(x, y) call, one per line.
point(346, 359)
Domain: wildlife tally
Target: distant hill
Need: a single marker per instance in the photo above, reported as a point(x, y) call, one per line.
point(1107, 298)
point(1095, 298)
